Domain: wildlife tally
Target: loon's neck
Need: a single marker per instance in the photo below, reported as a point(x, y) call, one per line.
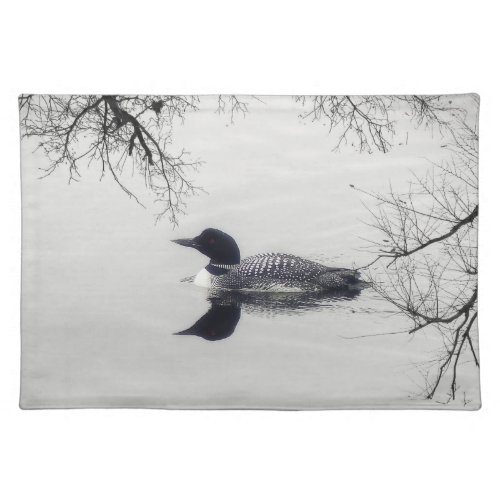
point(218, 269)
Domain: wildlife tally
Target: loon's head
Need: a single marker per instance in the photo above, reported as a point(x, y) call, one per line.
point(215, 244)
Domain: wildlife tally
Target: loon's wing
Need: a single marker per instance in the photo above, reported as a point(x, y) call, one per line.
point(280, 266)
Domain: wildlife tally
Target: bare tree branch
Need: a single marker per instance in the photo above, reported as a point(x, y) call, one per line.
point(367, 122)
point(428, 235)
point(114, 131)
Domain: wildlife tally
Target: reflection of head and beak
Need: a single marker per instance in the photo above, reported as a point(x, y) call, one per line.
point(220, 321)
point(217, 323)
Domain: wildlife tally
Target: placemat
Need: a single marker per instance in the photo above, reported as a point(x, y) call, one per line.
point(249, 252)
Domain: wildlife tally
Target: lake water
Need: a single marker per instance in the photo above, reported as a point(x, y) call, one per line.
point(103, 289)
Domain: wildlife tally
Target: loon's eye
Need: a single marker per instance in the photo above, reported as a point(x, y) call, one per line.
point(211, 241)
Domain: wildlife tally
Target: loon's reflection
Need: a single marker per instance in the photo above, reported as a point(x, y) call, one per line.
point(220, 321)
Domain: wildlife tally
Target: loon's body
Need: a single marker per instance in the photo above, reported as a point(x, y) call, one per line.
point(274, 272)
point(265, 272)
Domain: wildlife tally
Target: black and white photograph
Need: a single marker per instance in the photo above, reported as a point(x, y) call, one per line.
point(249, 250)
point(240, 251)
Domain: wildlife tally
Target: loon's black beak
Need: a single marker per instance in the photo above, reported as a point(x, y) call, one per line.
point(187, 242)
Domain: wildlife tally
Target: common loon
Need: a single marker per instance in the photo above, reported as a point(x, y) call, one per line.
point(266, 271)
